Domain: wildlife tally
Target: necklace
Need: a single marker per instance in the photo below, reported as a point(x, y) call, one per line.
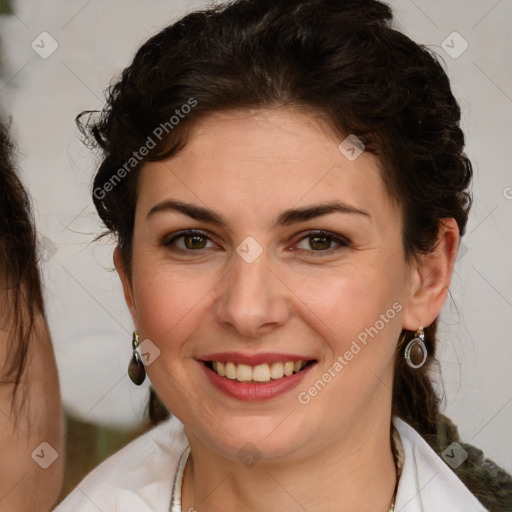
point(175, 506)
point(178, 479)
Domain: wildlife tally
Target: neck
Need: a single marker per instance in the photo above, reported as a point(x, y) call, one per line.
point(355, 473)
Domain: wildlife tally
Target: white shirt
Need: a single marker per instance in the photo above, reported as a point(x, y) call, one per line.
point(139, 477)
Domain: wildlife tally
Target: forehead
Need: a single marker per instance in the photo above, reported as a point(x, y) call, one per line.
point(264, 160)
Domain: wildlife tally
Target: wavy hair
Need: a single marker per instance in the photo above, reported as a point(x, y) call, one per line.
point(20, 284)
point(343, 59)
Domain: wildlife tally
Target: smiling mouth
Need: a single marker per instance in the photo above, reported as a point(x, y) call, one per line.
point(258, 374)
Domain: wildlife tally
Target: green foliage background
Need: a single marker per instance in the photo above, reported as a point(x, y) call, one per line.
point(5, 7)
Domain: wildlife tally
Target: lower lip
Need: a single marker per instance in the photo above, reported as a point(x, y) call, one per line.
point(255, 392)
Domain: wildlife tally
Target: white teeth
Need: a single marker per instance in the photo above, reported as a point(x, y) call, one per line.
point(231, 371)
point(259, 373)
point(243, 373)
point(277, 371)
point(288, 368)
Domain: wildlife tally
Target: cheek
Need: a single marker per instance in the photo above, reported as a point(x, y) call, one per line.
point(169, 301)
point(356, 302)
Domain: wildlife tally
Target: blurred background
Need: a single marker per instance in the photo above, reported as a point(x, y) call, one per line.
point(57, 58)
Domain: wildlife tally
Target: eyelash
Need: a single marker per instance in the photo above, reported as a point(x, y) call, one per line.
point(341, 241)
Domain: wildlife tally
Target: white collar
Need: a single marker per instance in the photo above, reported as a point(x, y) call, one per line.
point(139, 477)
point(427, 484)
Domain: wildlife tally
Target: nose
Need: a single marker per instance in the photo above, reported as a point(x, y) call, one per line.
point(252, 300)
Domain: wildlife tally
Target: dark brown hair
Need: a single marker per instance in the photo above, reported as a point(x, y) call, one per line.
point(20, 284)
point(342, 59)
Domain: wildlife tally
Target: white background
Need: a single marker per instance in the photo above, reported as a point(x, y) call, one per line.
point(90, 325)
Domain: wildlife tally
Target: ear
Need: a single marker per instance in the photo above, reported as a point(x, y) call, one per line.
point(125, 281)
point(430, 278)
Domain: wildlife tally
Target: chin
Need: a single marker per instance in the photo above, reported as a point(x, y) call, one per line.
point(254, 437)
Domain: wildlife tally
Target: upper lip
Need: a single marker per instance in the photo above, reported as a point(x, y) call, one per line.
point(253, 359)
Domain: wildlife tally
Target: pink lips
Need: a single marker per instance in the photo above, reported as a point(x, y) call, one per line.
point(250, 391)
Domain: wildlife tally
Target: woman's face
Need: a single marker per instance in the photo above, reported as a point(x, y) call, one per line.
point(269, 276)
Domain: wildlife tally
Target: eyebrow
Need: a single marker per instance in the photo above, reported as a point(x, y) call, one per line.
point(286, 218)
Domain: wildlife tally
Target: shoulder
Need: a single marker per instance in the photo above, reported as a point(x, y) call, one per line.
point(139, 477)
point(427, 483)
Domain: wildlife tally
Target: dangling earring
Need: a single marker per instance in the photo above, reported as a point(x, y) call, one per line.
point(416, 352)
point(136, 369)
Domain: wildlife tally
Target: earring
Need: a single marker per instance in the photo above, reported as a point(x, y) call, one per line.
point(416, 352)
point(136, 369)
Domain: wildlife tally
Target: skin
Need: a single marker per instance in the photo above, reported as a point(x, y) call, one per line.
point(24, 485)
point(295, 298)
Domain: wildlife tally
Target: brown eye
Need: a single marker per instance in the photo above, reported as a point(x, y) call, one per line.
point(320, 241)
point(194, 241)
point(189, 241)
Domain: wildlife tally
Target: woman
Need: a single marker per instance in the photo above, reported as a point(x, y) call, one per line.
point(287, 184)
point(31, 421)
